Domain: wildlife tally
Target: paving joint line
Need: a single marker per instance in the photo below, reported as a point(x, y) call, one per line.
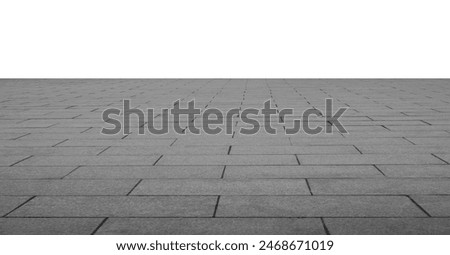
point(13, 139)
point(216, 206)
point(223, 172)
point(419, 206)
point(20, 161)
point(309, 186)
point(103, 150)
point(379, 170)
point(22, 204)
point(426, 122)
point(156, 162)
point(70, 172)
point(65, 140)
point(324, 226)
point(298, 161)
point(408, 140)
point(99, 226)
point(360, 152)
point(89, 128)
point(174, 141)
point(134, 187)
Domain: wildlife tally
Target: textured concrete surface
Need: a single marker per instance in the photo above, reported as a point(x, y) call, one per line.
point(388, 175)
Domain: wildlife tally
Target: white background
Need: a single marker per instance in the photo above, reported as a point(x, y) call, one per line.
point(345, 245)
point(224, 39)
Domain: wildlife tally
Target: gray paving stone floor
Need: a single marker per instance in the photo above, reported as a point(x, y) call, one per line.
point(390, 174)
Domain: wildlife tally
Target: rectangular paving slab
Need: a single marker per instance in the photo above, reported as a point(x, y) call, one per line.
point(402, 149)
point(380, 186)
point(286, 150)
point(288, 172)
point(118, 206)
point(89, 160)
point(388, 226)
point(48, 226)
point(118, 142)
point(416, 171)
point(212, 226)
point(347, 141)
point(51, 151)
point(217, 141)
point(146, 172)
point(229, 160)
point(66, 187)
point(167, 150)
point(317, 206)
point(34, 172)
point(368, 159)
point(222, 187)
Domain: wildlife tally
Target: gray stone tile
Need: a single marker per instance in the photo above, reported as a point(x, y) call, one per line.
point(217, 141)
point(437, 141)
point(9, 203)
point(89, 161)
point(368, 129)
point(436, 206)
point(119, 142)
point(301, 172)
point(368, 159)
point(49, 151)
point(402, 149)
point(51, 130)
point(229, 160)
point(415, 128)
point(118, 206)
point(379, 186)
point(48, 226)
point(66, 187)
point(317, 206)
point(347, 141)
point(166, 150)
point(34, 172)
point(36, 123)
point(409, 134)
point(388, 226)
point(30, 143)
point(146, 172)
point(313, 150)
point(212, 226)
point(414, 171)
point(222, 187)
point(390, 122)
point(72, 136)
